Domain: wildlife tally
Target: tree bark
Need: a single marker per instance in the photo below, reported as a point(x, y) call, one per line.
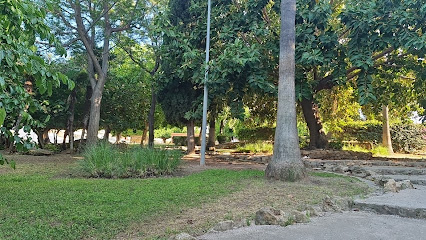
point(107, 133)
point(70, 122)
point(86, 117)
point(95, 115)
point(317, 137)
point(117, 140)
point(190, 137)
point(212, 133)
point(40, 138)
point(386, 137)
point(151, 117)
point(286, 163)
point(221, 126)
point(145, 130)
point(64, 144)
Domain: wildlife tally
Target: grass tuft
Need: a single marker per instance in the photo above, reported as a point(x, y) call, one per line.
point(107, 161)
point(258, 147)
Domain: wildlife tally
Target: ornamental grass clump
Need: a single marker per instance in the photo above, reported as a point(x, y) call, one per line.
point(107, 161)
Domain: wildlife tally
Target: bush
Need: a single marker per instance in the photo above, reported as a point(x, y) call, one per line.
point(408, 137)
point(181, 141)
point(405, 137)
point(107, 161)
point(223, 139)
point(258, 147)
point(53, 148)
point(256, 134)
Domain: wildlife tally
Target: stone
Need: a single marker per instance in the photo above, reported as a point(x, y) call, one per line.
point(391, 186)
point(300, 217)
point(223, 226)
point(337, 204)
point(271, 216)
point(182, 236)
point(406, 184)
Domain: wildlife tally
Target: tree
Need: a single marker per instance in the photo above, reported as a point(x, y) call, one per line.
point(94, 23)
point(22, 69)
point(286, 163)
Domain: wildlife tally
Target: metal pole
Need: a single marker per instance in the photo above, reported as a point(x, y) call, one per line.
point(206, 75)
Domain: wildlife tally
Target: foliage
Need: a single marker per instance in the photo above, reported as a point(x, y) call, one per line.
point(405, 137)
point(222, 139)
point(21, 24)
point(258, 147)
point(255, 134)
point(167, 132)
point(408, 137)
point(53, 147)
point(106, 161)
point(102, 208)
point(182, 141)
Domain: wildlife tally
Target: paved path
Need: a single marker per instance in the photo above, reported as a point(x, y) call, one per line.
point(345, 226)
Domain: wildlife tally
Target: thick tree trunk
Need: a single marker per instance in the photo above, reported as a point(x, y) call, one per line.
point(386, 137)
point(95, 115)
point(151, 117)
point(64, 144)
point(286, 163)
point(190, 136)
point(46, 138)
point(212, 129)
point(86, 115)
point(317, 137)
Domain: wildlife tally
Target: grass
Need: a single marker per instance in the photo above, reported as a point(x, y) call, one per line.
point(38, 207)
point(376, 151)
point(105, 160)
point(36, 203)
point(333, 175)
point(258, 147)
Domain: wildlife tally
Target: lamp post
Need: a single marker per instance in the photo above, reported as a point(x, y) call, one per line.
point(205, 99)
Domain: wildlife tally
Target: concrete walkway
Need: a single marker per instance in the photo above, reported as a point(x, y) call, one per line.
point(344, 226)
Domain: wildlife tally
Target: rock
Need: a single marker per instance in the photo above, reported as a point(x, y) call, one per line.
point(271, 216)
point(337, 204)
point(391, 186)
point(40, 152)
point(182, 236)
point(223, 226)
point(406, 184)
point(311, 211)
point(300, 217)
point(242, 223)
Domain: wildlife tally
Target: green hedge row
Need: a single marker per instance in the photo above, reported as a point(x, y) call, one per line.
point(405, 137)
point(256, 134)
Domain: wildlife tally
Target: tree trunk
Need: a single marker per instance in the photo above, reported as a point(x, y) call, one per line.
point(70, 122)
point(221, 126)
point(107, 133)
point(190, 136)
point(64, 144)
point(86, 115)
point(15, 132)
point(118, 136)
point(151, 118)
point(95, 115)
point(40, 138)
point(212, 133)
point(46, 138)
point(145, 130)
point(386, 137)
point(286, 163)
point(317, 137)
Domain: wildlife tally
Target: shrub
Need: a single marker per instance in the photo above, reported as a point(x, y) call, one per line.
point(105, 160)
point(52, 147)
point(181, 141)
point(258, 147)
point(256, 134)
point(405, 137)
point(223, 139)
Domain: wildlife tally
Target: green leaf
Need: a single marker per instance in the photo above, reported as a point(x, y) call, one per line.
point(2, 115)
point(12, 164)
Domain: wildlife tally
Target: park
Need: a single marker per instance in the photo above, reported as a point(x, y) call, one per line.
point(189, 119)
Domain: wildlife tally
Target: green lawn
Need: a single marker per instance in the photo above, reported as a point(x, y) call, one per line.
point(39, 206)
